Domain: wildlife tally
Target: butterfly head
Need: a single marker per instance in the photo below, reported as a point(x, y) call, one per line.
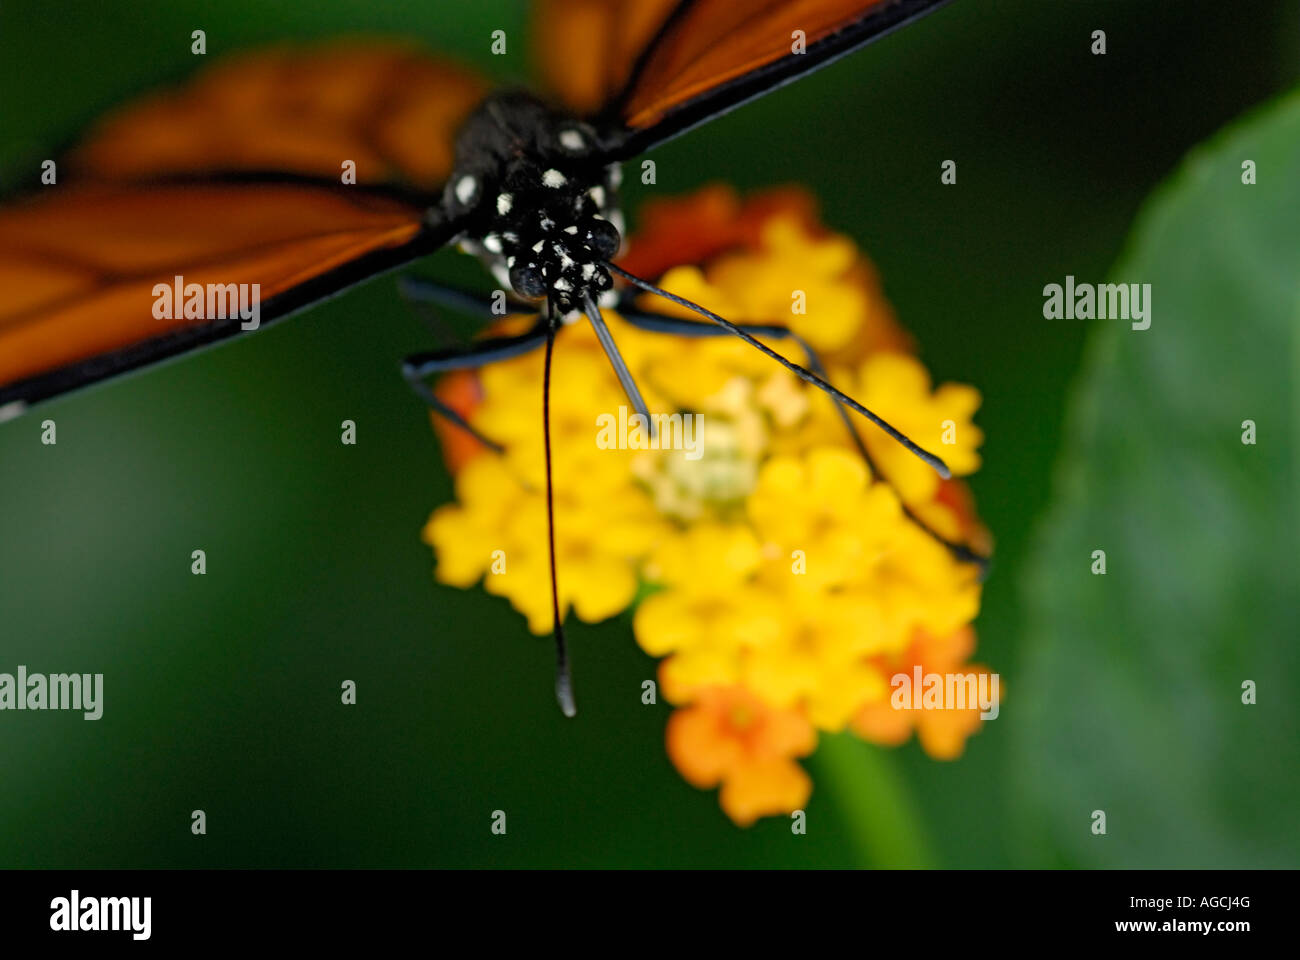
point(540, 206)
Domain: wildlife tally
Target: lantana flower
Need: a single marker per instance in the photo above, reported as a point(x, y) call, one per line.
point(782, 578)
point(731, 738)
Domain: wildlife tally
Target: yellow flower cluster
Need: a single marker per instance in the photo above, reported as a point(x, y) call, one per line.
point(784, 582)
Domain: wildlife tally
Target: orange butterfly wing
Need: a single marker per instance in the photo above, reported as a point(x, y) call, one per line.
point(232, 179)
point(389, 109)
point(651, 75)
point(79, 267)
point(587, 49)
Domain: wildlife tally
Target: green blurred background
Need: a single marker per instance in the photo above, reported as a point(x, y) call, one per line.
point(222, 691)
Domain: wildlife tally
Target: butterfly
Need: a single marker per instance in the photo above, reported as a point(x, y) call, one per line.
point(209, 211)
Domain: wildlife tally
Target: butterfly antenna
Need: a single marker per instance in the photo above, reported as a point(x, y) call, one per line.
point(563, 677)
point(802, 373)
point(960, 551)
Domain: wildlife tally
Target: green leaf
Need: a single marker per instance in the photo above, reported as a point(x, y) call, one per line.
point(1131, 697)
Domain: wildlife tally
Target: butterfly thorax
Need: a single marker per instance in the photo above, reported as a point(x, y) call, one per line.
point(539, 204)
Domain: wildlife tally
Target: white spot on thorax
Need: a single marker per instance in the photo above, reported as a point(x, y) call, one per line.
point(554, 179)
point(504, 202)
point(466, 187)
point(572, 140)
point(561, 251)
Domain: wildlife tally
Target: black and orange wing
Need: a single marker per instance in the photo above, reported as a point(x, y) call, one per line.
point(390, 109)
point(678, 64)
point(587, 49)
point(235, 178)
point(79, 268)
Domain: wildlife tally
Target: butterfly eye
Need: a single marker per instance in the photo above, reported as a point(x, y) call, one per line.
point(527, 280)
point(602, 237)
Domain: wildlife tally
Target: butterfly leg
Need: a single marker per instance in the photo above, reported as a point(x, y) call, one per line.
point(421, 291)
point(679, 326)
point(420, 366)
